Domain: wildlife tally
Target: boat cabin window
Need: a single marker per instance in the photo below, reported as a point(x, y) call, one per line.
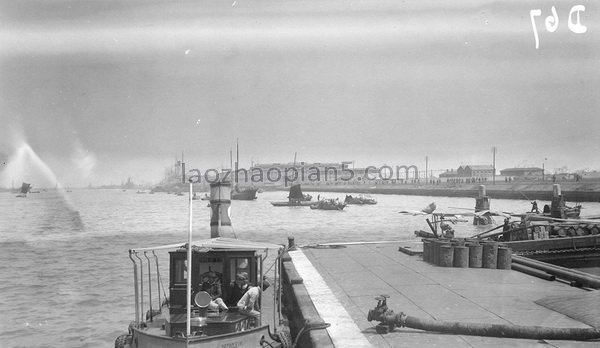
point(239, 265)
point(180, 271)
point(208, 265)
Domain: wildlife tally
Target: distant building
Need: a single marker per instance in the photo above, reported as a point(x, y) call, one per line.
point(449, 173)
point(522, 172)
point(475, 171)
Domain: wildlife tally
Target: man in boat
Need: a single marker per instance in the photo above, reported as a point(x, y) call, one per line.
point(212, 285)
point(238, 288)
point(506, 227)
point(249, 304)
point(447, 230)
point(534, 207)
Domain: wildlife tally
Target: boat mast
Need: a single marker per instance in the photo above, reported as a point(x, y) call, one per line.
point(237, 159)
point(189, 268)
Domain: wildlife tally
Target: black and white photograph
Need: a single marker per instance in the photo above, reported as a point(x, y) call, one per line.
point(299, 173)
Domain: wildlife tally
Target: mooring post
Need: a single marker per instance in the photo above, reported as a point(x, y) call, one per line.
point(482, 202)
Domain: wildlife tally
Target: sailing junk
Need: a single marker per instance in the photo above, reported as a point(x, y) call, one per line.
point(295, 198)
point(25, 188)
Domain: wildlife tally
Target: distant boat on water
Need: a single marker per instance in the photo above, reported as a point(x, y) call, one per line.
point(25, 188)
point(295, 198)
point(359, 200)
point(328, 204)
point(244, 194)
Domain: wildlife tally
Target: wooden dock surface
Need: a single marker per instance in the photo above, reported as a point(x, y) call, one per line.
point(344, 281)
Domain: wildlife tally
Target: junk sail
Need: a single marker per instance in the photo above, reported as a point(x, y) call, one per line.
point(296, 193)
point(25, 188)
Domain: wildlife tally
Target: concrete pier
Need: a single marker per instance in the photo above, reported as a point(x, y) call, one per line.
point(343, 281)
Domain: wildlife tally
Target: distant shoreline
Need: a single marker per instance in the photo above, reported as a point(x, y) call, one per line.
point(571, 191)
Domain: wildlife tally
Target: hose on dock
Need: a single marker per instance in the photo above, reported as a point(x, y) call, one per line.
point(491, 330)
point(390, 320)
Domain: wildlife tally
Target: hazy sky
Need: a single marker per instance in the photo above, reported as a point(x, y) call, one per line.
point(103, 90)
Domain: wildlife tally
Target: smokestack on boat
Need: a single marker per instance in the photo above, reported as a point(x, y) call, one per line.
point(557, 207)
point(220, 201)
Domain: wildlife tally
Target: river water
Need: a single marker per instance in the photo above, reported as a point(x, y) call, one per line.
point(67, 280)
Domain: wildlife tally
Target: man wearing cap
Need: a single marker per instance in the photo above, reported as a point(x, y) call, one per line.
point(238, 288)
point(212, 285)
point(249, 304)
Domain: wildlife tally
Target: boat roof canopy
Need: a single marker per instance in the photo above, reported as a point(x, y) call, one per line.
point(220, 243)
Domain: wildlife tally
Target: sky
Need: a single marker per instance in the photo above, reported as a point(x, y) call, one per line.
point(98, 91)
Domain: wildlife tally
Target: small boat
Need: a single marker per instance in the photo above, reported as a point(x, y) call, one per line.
point(328, 204)
point(429, 209)
point(189, 316)
point(359, 200)
point(203, 198)
point(244, 194)
point(25, 188)
point(572, 212)
point(295, 198)
point(561, 211)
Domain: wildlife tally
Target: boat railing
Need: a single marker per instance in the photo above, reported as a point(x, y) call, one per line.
point(139, 293)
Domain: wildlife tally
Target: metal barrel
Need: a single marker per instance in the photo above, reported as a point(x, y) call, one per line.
point(446, 255)
point(504, 257)
point(490, 255)
point(475, 255)
point(461, 256)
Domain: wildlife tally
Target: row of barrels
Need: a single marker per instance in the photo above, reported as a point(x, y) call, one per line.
point(573, 230)
point(464, 253)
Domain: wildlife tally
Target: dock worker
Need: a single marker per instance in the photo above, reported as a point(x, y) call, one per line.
point(447, 230)
point(249, 304)
point(534, 207)
point(506, 227)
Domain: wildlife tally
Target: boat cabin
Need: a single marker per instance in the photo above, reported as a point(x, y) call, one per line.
point(218, 268)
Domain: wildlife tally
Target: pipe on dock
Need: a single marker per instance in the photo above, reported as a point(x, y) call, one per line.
point(533, 272)
point(587, 280)
point(542, 263)
point(574, 271)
